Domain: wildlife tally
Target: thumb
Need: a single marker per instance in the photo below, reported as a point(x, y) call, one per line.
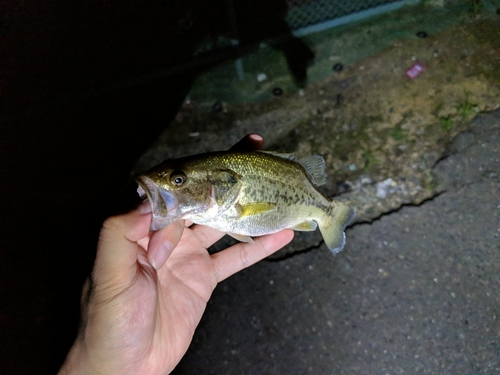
point(117, 249)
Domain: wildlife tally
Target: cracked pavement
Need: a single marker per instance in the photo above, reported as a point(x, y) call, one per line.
point(415, 291)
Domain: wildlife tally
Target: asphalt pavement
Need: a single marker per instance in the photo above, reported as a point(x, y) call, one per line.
point(417, 291)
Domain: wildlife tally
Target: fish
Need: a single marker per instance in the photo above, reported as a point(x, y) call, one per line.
point(245, 195)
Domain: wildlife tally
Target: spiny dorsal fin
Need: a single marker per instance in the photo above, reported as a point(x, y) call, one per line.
point(315, 166)
point(280, 154)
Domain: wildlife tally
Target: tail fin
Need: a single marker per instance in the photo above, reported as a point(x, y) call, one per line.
point(333, 224)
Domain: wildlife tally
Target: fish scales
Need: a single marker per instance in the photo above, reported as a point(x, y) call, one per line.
point(294, 204)
point(245, 194)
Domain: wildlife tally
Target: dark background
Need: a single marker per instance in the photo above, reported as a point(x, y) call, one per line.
point(85, 88)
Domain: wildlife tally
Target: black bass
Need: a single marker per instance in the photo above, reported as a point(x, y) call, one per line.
point(245, 194)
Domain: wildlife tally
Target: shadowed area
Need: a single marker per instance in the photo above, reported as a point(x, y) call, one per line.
point(86, 88)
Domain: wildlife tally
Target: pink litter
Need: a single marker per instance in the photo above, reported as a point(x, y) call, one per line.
point(415, 70)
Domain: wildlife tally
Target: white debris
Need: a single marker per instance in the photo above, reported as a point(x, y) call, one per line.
point(383, 188)
point(366, 180)
point(261, 77)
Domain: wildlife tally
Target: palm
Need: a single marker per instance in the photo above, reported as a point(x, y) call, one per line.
point(191, 265)
point(185, 285)
point(150, 315)
point(169, 303)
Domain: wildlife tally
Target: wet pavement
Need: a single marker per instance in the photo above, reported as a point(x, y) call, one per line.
point(417, 291)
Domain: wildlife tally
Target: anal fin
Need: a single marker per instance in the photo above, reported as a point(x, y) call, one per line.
point(241, 237)
point(306, 226)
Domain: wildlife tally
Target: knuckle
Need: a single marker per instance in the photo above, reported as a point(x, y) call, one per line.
point(245, 256)
point(112, 223)
point(267, 251)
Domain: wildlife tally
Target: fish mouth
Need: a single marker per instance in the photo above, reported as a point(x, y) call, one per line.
point(164, 204)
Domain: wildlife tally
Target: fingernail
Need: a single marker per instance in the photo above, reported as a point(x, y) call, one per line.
point(161, 255)
point(256, 137)
point(144, 207)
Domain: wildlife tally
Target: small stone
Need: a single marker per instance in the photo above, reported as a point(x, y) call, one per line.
point(366, 180)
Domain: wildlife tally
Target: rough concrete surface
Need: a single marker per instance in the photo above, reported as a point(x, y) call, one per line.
point(415, 292)
point(379, 132)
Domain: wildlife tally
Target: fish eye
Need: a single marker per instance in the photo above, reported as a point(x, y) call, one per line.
point(178, 178)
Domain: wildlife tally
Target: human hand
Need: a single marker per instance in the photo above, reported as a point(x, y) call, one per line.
point(147, 292)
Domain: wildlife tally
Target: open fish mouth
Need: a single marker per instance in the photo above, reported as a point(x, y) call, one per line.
point(164, 204)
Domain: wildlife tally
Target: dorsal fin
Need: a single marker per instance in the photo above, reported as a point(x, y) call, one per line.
point(315, 167)
point(280, 154)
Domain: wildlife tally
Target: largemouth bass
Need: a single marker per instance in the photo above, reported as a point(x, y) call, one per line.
point(245, 194)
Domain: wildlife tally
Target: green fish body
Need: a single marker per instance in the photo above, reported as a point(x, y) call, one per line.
point(246, 194)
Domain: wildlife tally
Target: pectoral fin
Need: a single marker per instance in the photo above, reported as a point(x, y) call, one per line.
point(306, 226)
point(224, 187)
point(250, 209)
point(241, 237)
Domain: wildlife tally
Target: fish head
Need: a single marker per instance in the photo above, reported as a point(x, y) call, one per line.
point(176, 191)
point(173, 193)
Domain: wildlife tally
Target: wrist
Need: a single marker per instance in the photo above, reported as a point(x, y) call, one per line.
point(76, 362)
